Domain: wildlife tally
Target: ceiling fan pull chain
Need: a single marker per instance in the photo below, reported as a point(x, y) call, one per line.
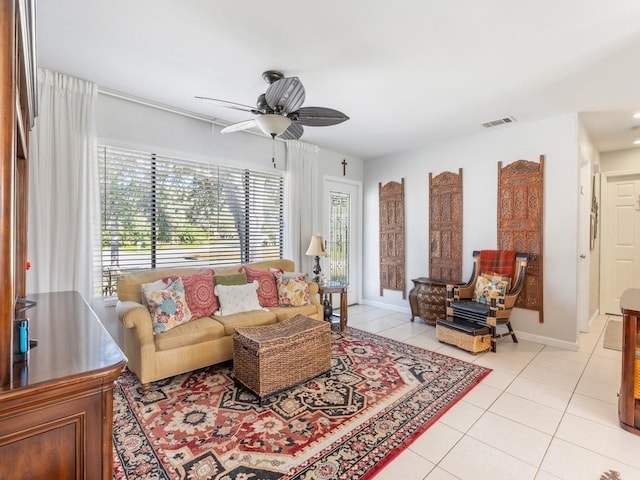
point(273, 152)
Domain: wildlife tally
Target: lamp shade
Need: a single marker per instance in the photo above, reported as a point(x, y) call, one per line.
point(273, 124)
point(316, 247)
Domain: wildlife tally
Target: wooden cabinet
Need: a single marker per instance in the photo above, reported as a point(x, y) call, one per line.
point(56, 416)
point(629, 399)
point(19, 108)
point(427, 299)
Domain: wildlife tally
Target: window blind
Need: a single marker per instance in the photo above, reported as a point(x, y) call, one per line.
point(160, 211)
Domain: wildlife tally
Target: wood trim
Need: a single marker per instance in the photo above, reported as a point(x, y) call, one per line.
point(392, 241)
point(520, 224)
point(7, 185)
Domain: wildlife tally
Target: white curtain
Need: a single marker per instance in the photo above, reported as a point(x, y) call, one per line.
point(63, 187)
point(302, 199)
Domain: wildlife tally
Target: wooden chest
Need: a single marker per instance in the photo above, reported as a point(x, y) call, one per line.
point(427, 299)
point(271, 358)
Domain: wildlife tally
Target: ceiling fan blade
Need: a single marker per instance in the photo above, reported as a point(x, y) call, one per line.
point(236, 127)
point(285, 95)
point(294, 132)
point(235, 106)
point(318, 116)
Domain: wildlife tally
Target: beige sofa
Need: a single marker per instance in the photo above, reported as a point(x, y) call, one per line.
point(198, 343)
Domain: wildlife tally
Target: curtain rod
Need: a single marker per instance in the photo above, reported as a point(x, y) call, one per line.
point(167, 108)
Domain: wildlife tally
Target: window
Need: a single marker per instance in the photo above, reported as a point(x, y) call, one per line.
point(159, 211)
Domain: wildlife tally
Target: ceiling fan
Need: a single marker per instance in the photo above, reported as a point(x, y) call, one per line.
point(279, 111)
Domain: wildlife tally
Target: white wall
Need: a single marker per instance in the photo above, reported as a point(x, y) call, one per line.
point(620, 161)
point(556, 138)
point(133, 125)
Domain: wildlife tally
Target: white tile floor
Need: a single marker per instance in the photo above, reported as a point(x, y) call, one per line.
point(543, 413)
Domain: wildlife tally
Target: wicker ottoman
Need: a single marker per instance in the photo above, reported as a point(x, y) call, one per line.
point(271, 358)
point(466, 335)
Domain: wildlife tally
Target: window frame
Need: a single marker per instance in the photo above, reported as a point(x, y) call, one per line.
point(229, 214)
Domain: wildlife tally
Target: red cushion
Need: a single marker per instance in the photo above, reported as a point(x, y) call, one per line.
point(267, 288)
point(198, 289)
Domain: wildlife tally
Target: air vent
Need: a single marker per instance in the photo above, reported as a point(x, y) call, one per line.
point(500, 121)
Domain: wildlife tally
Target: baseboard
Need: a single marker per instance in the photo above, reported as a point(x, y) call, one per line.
point(552, 342)
point(593, 318)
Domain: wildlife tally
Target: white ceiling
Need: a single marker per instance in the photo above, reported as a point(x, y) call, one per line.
point(407, 72)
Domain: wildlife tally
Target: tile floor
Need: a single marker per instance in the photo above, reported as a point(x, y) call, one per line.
point(543, 413)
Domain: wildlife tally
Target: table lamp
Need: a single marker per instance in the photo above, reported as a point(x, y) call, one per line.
point(317, 250)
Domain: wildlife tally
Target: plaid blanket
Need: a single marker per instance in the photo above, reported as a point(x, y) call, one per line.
point(497, 261)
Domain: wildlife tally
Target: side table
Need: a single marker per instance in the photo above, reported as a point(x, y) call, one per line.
point(629, 397)
point(326, 294)
point(427, 299)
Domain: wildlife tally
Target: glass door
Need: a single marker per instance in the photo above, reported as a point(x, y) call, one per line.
point(342, 223)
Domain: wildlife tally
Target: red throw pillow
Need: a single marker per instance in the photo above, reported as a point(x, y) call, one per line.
point(198, 289)
point(267, 288)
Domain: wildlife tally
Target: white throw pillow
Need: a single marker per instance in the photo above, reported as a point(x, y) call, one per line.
point(238, 298)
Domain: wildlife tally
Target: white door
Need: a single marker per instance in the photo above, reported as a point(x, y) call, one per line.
point(584, 219)
point(343, 223)
point(620, 239)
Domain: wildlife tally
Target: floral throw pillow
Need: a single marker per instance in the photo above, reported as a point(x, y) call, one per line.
point(293, 291)
point(237, 298)
point(168, 306)
point(198, 289)
point(490, 286)
point(267, 288)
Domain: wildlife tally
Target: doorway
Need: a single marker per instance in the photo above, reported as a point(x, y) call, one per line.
point(343, 225)
point(620, 260)
point(583, 279)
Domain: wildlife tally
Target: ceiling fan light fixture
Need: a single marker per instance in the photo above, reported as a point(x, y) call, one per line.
point(273, 124)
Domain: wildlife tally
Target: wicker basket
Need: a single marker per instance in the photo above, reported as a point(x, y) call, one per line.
point(470, 342)
point(271, 358)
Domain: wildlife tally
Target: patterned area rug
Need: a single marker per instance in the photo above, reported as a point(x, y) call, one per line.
point(380, 396)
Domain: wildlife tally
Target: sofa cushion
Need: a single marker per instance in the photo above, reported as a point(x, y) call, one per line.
point(198, 289)
point(293, 291)
point(236, 278)
point(283, 313)
point(237, 298)
point(245, 319)
point(267, 288)
point(196, 331)
point(129, 283)
point(167, 306)
point(490, 286)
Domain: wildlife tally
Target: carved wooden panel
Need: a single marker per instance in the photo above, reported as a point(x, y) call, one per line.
point(520, 208)
point(445, 226)
point(392, 267)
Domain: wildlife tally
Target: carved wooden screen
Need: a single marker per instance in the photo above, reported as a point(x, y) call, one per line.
point(392, 269)
point(520, 207)
point(445, 226)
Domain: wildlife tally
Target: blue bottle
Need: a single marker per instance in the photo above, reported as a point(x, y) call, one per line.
point(24, 336)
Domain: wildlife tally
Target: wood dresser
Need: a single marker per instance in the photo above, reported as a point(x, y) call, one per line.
point(629, 397)
point(56, 415)
point(427, 299)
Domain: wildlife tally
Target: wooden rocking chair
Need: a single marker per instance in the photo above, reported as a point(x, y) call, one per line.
point(489, 296)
